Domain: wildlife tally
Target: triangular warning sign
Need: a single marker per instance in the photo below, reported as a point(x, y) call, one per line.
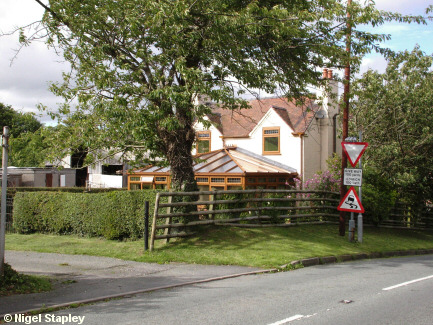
point(351, 202)
point(354, 151)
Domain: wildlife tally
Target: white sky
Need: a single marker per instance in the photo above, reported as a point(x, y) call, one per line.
point(24, 83)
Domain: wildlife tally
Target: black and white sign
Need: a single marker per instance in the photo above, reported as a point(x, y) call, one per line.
point(352, 177)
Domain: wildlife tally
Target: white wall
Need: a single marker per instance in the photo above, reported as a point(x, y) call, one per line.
point(105, 181)
point(290, 154)
point(216, 140)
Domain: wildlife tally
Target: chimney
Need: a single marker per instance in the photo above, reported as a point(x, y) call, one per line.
point(329, 74)
point(325, 73)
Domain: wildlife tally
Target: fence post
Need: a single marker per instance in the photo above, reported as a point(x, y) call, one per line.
point(211, 206)
point(167, 231)
point(155, 216)
point(146, 225)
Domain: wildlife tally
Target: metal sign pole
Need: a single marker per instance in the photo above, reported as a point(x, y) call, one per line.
point(5, 144)
point(360, 221)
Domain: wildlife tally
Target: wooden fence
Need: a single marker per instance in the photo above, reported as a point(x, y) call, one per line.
point(241, 208)
point(409, 216)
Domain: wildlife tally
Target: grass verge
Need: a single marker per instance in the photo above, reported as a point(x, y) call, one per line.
point(266, 247)
point(15, 283)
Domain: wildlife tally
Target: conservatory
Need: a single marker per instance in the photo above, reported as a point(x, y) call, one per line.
point(230, 168)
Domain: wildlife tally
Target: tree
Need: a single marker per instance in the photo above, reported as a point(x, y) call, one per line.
point(138, 65)
point(395, 111)
point(18, 123)
point(28, 144)
point(30, 149)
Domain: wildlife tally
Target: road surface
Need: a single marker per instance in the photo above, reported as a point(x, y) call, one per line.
point(381, 291)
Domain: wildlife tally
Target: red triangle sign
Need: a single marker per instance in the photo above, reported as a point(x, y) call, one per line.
point(351, 202)
point(354, 151)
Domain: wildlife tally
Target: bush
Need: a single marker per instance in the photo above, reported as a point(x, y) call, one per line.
point(235, 204)
point(378, 197)
point(113, 215)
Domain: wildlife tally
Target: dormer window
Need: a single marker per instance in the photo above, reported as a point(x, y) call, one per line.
point(203, 142)
point(271, 141)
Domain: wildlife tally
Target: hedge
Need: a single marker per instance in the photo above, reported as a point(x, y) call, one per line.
point(113, 215)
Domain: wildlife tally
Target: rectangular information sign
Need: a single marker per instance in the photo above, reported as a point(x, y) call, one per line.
point(352, 177)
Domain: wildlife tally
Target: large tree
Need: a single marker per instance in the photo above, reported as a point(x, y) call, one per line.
point(395, 111)
point(138, 65)
point(17, 122)
point(28, 143)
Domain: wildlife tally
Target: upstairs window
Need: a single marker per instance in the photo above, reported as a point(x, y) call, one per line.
point(271, 140)
point(203, 142)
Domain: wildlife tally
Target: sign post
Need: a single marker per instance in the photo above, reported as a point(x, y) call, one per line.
point(353, 177)
point(5, 145)
point(360, 220)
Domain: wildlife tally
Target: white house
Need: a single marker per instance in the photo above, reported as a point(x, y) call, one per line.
point(299, 138)
point(302, 137)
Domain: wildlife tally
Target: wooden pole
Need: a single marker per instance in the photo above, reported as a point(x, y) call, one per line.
point(342, 221)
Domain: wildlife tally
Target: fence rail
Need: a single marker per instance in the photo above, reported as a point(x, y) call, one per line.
point(242, 208)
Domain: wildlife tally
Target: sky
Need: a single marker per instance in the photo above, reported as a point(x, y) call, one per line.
point(24, 79)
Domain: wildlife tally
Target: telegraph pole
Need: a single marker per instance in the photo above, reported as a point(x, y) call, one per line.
point(342, 221)
point(5, 145)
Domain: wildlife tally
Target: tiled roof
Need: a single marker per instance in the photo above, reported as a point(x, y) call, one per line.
point(239, 123)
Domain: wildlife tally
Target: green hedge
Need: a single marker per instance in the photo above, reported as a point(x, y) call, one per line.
point(113, 215)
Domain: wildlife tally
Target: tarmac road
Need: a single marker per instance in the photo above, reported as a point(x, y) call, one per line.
point(80, 278)
point(395, 291)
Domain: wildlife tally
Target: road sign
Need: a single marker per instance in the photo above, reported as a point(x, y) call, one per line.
point(351, 202)
point(354, 151)
point(352, 177)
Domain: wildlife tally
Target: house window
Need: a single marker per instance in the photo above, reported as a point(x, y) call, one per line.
point(271, 140)
point(203, 142)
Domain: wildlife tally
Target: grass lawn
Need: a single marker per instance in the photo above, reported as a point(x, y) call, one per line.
point(265, 247)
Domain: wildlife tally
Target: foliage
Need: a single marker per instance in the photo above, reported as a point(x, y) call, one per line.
point(29, 149)
point(234, 204)
point(28, 143)
point(395, 111)
point(13, 282)
point(138, 65)
point(328, 180)
point(274, 213)
point(17, 122)
point(378, 196)
point(113, 215)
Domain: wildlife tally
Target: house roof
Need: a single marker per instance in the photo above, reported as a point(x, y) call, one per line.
point(228, 160)
point(240, 122)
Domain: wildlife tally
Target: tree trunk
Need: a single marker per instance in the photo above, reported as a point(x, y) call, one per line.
point(177, 147)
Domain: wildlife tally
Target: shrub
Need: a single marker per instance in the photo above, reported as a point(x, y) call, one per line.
point(378, 197)
point(113, 215)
